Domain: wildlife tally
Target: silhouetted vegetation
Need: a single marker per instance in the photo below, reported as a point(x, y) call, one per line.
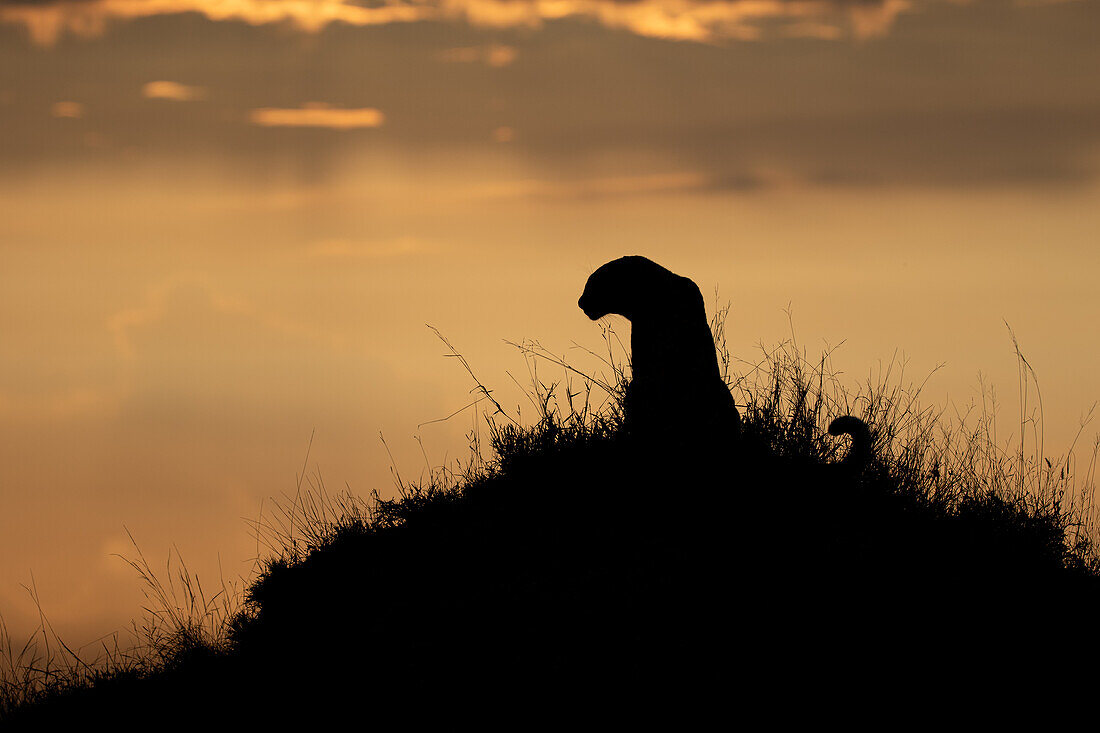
point(561, 555)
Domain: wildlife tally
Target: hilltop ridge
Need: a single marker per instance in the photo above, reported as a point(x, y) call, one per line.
point(573, 557)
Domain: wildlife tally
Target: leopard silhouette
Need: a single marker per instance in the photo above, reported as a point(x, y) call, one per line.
point(676, 391)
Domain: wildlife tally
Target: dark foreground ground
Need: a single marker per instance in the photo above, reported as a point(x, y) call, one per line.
point(583, 576)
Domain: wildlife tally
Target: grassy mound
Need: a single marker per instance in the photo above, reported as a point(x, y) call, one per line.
point(571, 557)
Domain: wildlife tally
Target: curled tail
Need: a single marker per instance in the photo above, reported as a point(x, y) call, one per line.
point(860, 453)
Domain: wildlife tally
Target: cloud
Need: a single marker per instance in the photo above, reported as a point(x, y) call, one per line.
point(344, 249)
point(493, 54)
point(191, 349)
point(687, 20)
point(504, 134)
point(317, 114)
point(590, 188)
point(61, 403)
point(71, 110)
point(47, 21)
point(705, 21)
point(937, 148)
point(159, 301)
point(173, 91)
point(813, 29)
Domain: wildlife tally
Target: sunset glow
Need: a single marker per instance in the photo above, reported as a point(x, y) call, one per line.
point(226, 225)
point(688, 20)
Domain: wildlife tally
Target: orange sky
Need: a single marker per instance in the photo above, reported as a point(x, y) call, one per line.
point(224, 226)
